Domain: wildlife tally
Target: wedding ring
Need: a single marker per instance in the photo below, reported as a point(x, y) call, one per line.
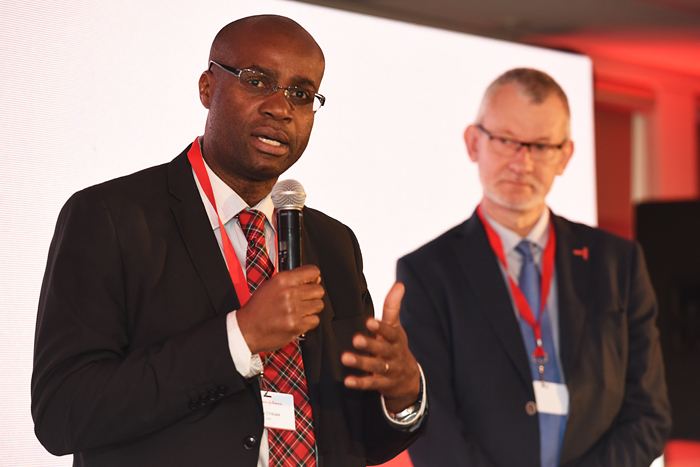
point(386, 368)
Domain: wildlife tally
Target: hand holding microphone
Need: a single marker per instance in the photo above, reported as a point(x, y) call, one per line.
point(287, 305)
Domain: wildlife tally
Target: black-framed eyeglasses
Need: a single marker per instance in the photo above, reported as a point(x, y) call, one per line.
point(509, 147)
point(260, 84)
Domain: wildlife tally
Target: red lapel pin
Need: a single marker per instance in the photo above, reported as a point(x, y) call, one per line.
point(583, 253)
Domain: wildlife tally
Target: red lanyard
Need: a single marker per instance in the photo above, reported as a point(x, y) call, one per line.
point(234, 266)
point(520, 300)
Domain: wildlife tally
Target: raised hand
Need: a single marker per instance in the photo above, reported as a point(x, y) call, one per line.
point(392, 369)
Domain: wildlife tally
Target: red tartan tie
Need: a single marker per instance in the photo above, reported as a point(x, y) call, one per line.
point(258, 267)
point(284, 368)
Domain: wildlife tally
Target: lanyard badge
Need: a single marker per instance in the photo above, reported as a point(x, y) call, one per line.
point(539, 356)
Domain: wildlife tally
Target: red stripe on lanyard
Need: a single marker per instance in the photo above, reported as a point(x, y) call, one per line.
point(520, 300)
point(234, 266)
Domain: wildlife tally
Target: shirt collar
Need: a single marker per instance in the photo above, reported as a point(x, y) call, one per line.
point(229, 202)
point(538, 235)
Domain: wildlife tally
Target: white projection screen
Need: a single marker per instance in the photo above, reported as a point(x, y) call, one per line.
point(93, 90)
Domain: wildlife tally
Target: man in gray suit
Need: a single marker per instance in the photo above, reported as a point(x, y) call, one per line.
point(537, 334)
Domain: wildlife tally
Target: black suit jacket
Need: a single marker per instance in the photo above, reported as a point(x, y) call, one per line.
point(132, 365)
point(462, 328)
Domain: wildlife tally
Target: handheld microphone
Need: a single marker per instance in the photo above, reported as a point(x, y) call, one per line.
point(288, 196)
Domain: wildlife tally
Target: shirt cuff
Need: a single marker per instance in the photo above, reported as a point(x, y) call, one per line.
point(413, 422)
point(247, 364)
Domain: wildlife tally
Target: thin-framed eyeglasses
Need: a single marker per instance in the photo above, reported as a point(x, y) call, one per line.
point(509, 147)
point(260, 84)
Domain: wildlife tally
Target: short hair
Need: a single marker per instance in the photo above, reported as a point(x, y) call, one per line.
point(535, 84)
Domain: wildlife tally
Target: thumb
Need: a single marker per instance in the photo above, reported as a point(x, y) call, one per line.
point(392, 304)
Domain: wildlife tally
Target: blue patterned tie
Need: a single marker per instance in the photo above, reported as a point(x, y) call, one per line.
point(551, 426)
point(529, 279)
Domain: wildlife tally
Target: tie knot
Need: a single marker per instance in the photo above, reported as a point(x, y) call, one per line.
point(526, 249)
point(252, 224)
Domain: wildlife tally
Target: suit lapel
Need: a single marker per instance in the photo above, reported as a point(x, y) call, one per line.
point(573, 278)
point(312, 346)
point(480, 266)
point(197, 235)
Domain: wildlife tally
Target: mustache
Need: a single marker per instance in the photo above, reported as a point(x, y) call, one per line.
point(526, 179)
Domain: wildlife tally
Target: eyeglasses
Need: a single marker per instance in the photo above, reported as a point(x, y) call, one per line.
point(509, 147)
point(260, 84)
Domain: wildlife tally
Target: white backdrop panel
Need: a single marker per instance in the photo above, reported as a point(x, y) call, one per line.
point(93, 90)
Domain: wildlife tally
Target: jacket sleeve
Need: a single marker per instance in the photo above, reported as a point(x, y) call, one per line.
point(91, 386)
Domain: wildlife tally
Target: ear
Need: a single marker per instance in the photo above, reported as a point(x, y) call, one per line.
point(566, 152)
point(206, 86)
point(471, 140)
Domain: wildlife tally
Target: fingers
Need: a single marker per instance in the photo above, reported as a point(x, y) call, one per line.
point(392, 304)
point(281, 309)
point(389, 328)
point(308, 292)
point(398, 379)
point(307, 274)
point(382, 346)
point(304, 281)
point(379, 358)
point(305, 325)
point(369, 364)
point(390, 366)
point(302, 284)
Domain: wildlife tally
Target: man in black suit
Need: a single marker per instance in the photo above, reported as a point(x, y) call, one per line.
point(537, 334)
point(147, 348)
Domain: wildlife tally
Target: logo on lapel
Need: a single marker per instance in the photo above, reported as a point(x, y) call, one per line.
point(583, 253)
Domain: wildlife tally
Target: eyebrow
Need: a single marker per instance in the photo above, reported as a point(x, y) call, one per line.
point(296, 79)
point(540, 140)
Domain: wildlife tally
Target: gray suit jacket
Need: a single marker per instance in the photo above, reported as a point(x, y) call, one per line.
point(462, 329)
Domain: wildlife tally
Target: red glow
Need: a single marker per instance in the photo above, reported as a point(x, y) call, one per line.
point(682, 454)
point(402, 460)
point(667, 50)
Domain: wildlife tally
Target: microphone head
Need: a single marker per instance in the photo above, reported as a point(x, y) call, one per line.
point(288, 194)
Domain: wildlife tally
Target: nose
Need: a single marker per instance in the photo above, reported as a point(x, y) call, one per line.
point(277, 105)
point(522, 161)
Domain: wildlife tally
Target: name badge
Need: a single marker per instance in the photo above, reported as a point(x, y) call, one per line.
point(279, 410)
point(551, 398)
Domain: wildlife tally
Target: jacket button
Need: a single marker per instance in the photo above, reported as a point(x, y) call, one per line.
point(531, 408)
point(202, 400)
point(194, 405)
point(222, 390)
point(212, 395)
point(250, 442)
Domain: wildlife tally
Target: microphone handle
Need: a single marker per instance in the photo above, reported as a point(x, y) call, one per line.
point(289, 225)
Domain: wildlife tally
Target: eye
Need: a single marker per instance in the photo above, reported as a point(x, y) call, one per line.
point(300, 94)
point(505, 141)
point(256, 82)
point(540, 147)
